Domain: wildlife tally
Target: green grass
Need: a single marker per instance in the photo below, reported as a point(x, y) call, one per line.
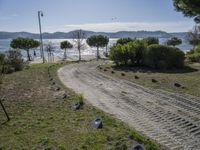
point(39, 120)
point(188, 77)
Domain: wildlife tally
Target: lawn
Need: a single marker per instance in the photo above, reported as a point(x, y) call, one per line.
point(188, 78)
point(41, 119)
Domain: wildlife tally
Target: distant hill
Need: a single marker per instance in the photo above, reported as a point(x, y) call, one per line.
point(68, 35)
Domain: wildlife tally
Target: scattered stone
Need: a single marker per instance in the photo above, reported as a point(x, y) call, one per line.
point(64, 96)
point(75, 106)
point(177, 85)
point(112, 72)
point(100, 68)
point(123, 74)
point(136, 77)
point(154, 81)
point(183, 87)
point(105, 70)
point(50, 79)
point(138, 147)
point(57, 89)
point(97, 123)
point(53, 83)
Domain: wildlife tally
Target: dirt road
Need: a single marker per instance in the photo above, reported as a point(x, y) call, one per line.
point(170, 119)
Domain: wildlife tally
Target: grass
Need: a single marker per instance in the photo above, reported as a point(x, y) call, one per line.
point(189, 77)
point(41, 120)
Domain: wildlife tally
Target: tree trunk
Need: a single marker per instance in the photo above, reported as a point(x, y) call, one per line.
point(97, 53)
point(65, 55)
point(106, 50)
point(79, 51)
point(28, 55)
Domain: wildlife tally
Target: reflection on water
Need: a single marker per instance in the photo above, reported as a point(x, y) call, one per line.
point(5, 45)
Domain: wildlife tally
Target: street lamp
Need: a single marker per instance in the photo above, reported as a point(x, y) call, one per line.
point(40, 14)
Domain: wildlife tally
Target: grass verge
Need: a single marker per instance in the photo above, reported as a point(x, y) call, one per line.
point(40, 119)
point(188, 78)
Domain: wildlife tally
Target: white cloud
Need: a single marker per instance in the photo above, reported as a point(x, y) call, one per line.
point(182, 26)
point(9, 17)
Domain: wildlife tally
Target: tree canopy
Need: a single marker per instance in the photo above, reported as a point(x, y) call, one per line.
point(98, 41)
point(190, 8)
point(65, 45)
point(193, 36)
point(24, 44)
point(174, 41)
point(151, 40)
point(124, 41)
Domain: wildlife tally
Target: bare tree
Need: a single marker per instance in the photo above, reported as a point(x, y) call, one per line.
point(78, 39)
point(194, 36)
point(50, 49)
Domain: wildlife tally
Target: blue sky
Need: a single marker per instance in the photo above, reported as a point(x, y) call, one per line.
point(96, 15)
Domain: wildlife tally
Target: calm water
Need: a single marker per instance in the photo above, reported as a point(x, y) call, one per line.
point(5, 45)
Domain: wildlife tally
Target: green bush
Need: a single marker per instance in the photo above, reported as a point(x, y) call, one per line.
point(194, 57)
point(137, 51)
point(150, 40)
point(124, 41)
point(13, 61)
point(2, 58)
point(164, 57)
point(119, 54)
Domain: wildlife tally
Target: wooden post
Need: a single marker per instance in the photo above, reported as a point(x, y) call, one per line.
point(8, 118)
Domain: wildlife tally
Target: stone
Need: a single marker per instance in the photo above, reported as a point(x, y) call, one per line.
point(64, 96)
point(97, 123)
point(123, 74)
point(177, 85)
point(138, 147)
point(75, 106)
point(50, 79)
point(136, 77)
point(154, 81)
point(57, 89)
point(112, 72)
point(53, 83)
point(105, 70)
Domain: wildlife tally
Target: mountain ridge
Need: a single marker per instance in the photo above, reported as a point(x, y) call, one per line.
point(68, 35)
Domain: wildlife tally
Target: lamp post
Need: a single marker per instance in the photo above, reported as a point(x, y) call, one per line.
point(40, 14)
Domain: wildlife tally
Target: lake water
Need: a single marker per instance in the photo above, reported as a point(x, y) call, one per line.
point(5, 46)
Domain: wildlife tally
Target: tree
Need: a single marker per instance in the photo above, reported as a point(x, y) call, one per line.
point(151, 40)
point(124, 41)
point(65, 45)
point(78, 39)
point(24, 44)
point(98, 41)
point(190, 8)
point(50, 48)
point(174, 41)
point(194, 36)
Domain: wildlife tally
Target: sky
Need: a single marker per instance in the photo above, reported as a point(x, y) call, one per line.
point(93, 15)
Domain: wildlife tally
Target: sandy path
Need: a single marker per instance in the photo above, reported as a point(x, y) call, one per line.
point(170, 119)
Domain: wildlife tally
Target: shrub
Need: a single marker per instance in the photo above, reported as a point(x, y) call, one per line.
point(119, 54)
point(132, 52)
point(174, 41)
point(150, 40)
point(194, 57)
point(13, 61)
point(2, 58)
point(137, 51)
point(124, 41)
point(163, 57)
